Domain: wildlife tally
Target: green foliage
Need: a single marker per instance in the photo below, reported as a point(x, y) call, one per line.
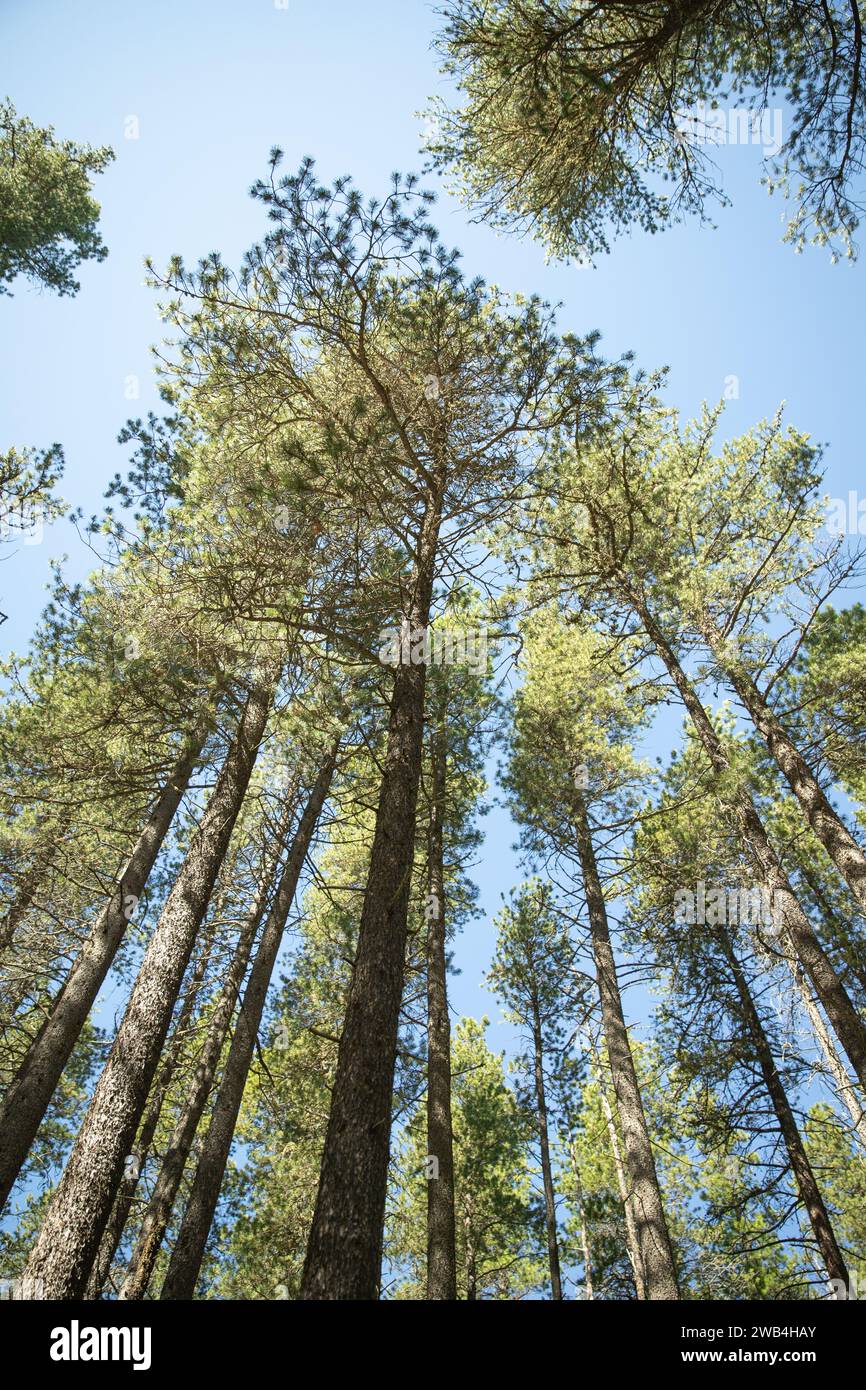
point(497, 1226)
point(533, 961)
point(841, 1165)
point(48, 215)
point(831, 689)
point(579, 122)
point(347, 384)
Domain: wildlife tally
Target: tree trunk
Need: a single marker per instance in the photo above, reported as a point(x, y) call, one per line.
point(807, 1186)
point(183, 1269)
point(441, 1242)
point(159, 1208)
point(30, 1092)
point(76, 1218)
point(140, 1150)
point(584, 1229)
point(825, 823)
point(654, 1244)
point(344, 1252)
point(632, 1244)
point(843, 934)
point(832, 995)
point(30, 881)
point(844, 1086)
point(546, 1168)
point(471, 1268)
point(32, 877)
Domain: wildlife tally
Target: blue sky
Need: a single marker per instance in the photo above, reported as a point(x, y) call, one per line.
point(212, 85)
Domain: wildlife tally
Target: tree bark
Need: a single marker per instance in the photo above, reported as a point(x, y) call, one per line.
point(832, 995)
point(30, 1092)
point(441, 1239)
point(111, 1237)
point(186, 1258)
point(825, 823)
point(471, 1267)
point(344, 1252)
point(158, 1212)
point(584, 1229)
point(632, 1244)
point(654, 1243)
point(546, 1167)
point(842, 934)
point(76, 1218)
point(844, 1086)
point(801, 1168)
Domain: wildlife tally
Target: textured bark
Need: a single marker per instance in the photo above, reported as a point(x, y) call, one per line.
point(158, 1212)
point(113, 1232)
point(30, 1092)
point(847, 1024)
point(344, 1252)
point(842, 933)
point(654, 1243)
point(826, 824)
point(471, 1265)
point(441, 1240)
point(632, 1243)
point(845, 1087)
point(79, 1211)
point(186, 1258)
point(584, 1229)
point(546, 1168)
point(801, 1168)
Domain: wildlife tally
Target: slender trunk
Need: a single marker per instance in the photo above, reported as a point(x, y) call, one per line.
point(546, 1167)
point(158, 1211)
point(471, 1265)
point(183, 1269)
point(344, 1252)
point(844, 1086)
point(141, 1148)
point(632, 1244)
point(14, 991)
point(654, 1243)
point(801, 1168)
point(30, 1092)
point(825, 823)
point(840, 932)
point(30, 881)
point(441, 1242)
point(847, 1024)
point(32, 877)
point(584, 1228)
point(76, 1218)
point(159, 1208)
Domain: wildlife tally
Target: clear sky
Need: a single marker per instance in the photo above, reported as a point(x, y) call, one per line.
point(209, 86)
